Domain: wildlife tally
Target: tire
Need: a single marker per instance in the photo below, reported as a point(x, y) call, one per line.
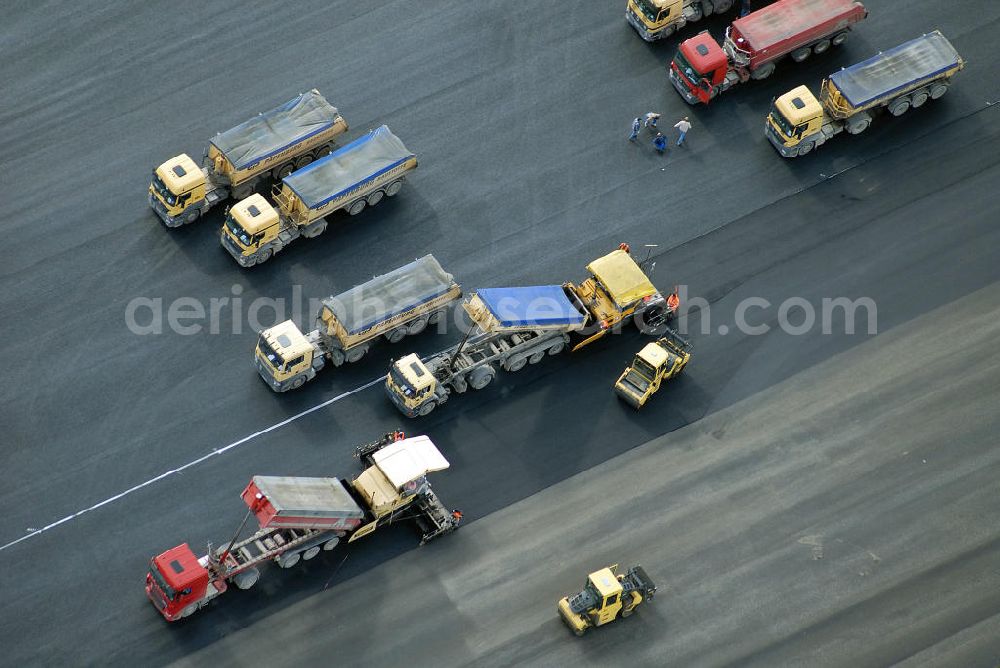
point(242, 192)
point(435, 318)
point(536, 357)
point(858, 127)
point(192, 216)
point(556, 348)
point(762, 72)
point(246, 579)
point(918, 98)
point(517, 364)
point(427, 408)
point(302, 161)
point(481, 377)
point(357, 206)
point(314, 229)
point(667, 32)
point(417, 326)
point(821, 46)
point(311, 552)
point(393, 188)
point(283, 171)
point(805, 148)
point(839, 38)
point(290, 560)
point(627, 612)
point(355, 354)
point(723, 6)
point(707, 7)
point(938, 90)
point(330, 544)
point(899, 106)
point(375, 197)
point(263, 255)
point(579, 632)
point(297, 382)
point(798, 55)
point(696, 14)
point(396, 335)
point(189, 610)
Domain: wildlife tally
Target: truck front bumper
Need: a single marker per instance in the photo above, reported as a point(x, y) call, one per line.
point(397, 402)
point(777, 143)
point(233, 249)
point(161, 211)
point(681, 87)
point(265, 374)
point(641, 28)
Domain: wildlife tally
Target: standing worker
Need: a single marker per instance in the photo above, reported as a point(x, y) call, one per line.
point(682, 126)
point(650, 121)
point(635, 129)
point(660, 143)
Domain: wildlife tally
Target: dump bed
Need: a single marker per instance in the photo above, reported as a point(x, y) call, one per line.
point(335, 175)
point(302, 503)
point(787, 24)
point(388, 300)
point(882, 76)
point(277, 130)
point(544, 307)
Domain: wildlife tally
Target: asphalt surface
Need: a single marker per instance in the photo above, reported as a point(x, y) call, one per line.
point(519, 114)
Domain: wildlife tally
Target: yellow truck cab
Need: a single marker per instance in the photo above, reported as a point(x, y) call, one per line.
point(411, 382)
point(283, 355)
point(794, 115)
point(250, 223)
point(176, 184)
point(657, 19)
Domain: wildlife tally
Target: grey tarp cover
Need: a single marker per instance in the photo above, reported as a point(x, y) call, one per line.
point(390, 294)
point(276, 130)
point(364, 158)
point(896, 68)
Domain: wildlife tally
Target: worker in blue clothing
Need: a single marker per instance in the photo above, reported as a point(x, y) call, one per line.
point(660, 143)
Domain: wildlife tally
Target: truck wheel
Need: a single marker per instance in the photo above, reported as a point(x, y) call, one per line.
point(396, 335)
point(188, 611)
point(536, 357)
point(918, 98)
point(707, 7)
point(805, 148)
point(246, 579)
point(417, 326)
point(821, 46)
point(289, 560)
point(393, 188)
point(627, 612)
point(427, 408)
point(314, 229)
point(516, 364)
point(263, 255)
point(696, 14)
point(762, 72)
point(302, 161)
point(858, 124)
point(798, 55)
point(556, 348)
point(297, 382)
point(839, 38)
point(899, 106)
point(330, 544)
point(357, 206)
point(375, 197)
point(192, 216)
point(310, 553)
point(435, 317)
point(481, 377)
point(938, 90)
point(723, 6)
point(355, 354)
point(243, 191)
point(283, 171)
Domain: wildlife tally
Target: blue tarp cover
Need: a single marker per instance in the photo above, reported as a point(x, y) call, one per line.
point(916, 60)
point(275, 130)
point(362, 159)
point(536, 306)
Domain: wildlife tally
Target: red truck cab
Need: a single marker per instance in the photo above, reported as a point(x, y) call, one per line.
point(699, 65)
point(175, 581)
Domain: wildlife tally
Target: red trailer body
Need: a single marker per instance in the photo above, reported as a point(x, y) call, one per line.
point(302, 503)
point(702, 68)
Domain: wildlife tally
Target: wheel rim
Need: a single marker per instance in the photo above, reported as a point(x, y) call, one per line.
point(356, 354)
point(427, 408)
point(290, 561)
point(357, 207)
point(375, 197)
point(298, 382)
point(482, 381)
point(517, 365)
point(900, 109)
point(821, 46)
point(417, 326)
point(556, 349)
point(938, 91)
point(918, 100)
point(393, 188)
point(840, 39)
point(310, 553)
point(536, 358)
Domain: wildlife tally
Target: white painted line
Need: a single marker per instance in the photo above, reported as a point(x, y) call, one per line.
point(213, 453)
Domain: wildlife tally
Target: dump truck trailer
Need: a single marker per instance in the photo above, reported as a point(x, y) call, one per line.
point(239, 160)
point(299, 517)
point(351, 178)
point(514, 327)
point(403, 302)
point(702, 69)
point(896, 80)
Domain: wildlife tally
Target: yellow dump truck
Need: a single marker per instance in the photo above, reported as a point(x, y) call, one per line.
point(514, 327)
point(351, 178)
point(606, 597)
point(656, 363)
point(239, 160)
point(896, 80)
point(657, 19)
point(400, 303)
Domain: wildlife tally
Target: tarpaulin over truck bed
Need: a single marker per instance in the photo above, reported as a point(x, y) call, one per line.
point(275, 130)
point(771, 25)
point(388, 295)
point(362, 159)
point(917, 60)
point(535, 307)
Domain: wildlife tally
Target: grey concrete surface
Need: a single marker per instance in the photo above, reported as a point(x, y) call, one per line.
point(844, 517)
point(519, 113)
